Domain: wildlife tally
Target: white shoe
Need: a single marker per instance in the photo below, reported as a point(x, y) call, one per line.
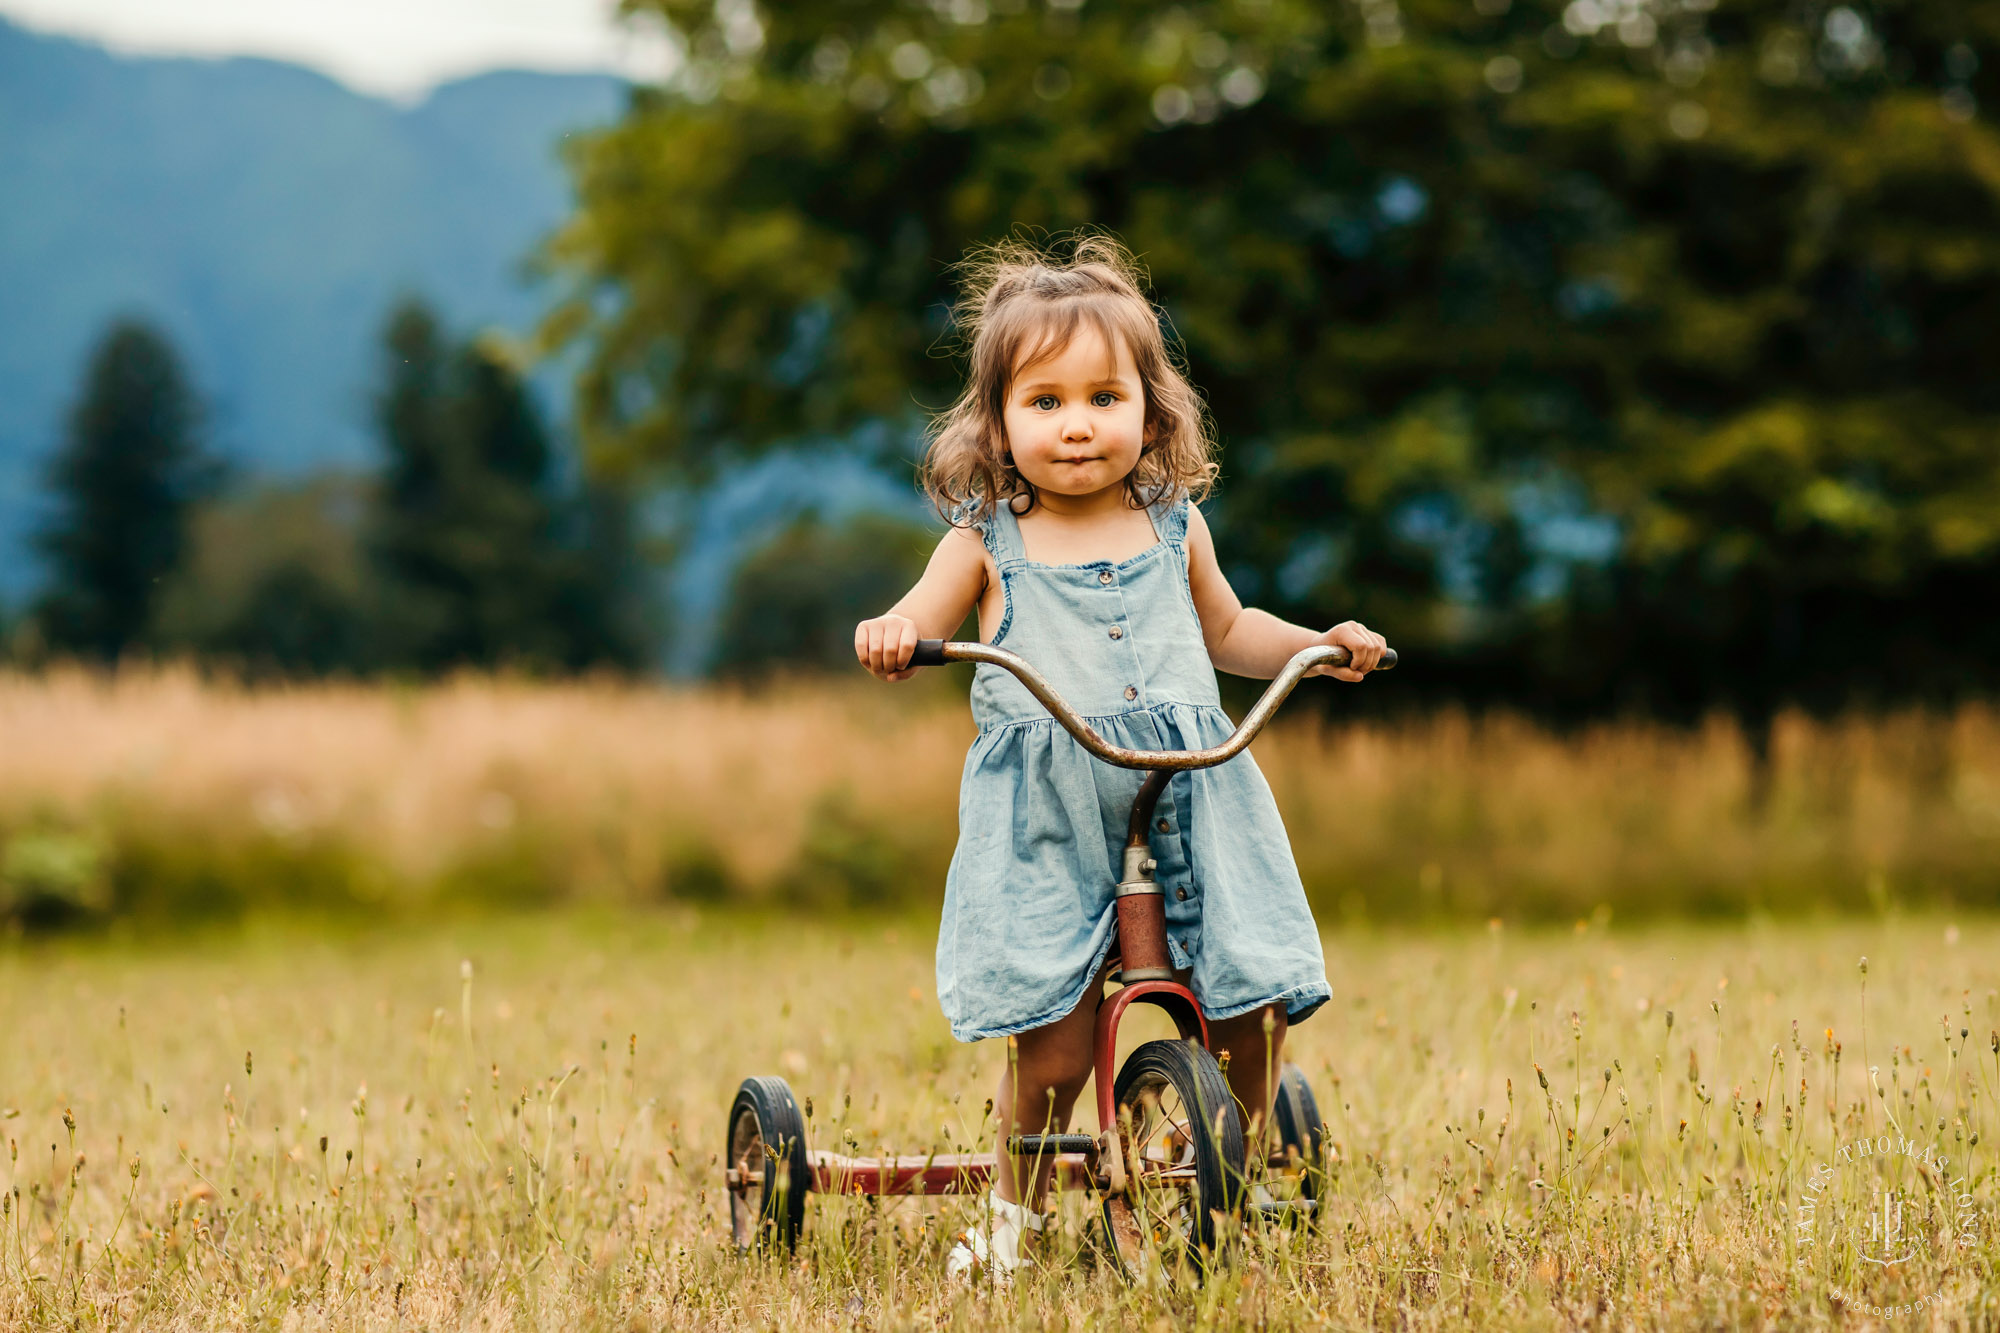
point(993, 1241)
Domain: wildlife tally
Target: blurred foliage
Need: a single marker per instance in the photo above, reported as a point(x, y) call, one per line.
point(52, 877)
point(696, 872)
point(124, 481)
point(850, 857)
point(1606, 354)
point(186, 875)
point(794, 601)
point(477, 560)
point(273, 581)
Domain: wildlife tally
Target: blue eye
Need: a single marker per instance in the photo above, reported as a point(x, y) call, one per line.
point(1047, 402)
point(1105, 398)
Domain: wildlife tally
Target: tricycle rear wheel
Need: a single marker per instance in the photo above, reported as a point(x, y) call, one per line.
point(1301, 1142)
point(769, 1176)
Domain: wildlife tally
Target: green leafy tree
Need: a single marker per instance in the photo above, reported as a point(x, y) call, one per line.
point(479, 562)
point(1582, 346)
point(124, 482)
point(793, 602)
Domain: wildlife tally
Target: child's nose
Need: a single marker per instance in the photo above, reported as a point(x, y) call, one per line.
point(1076, 428)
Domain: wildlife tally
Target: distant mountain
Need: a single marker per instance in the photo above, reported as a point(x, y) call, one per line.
point(265, 217)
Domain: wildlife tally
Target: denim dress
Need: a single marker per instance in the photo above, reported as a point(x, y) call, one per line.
point(1028, 905)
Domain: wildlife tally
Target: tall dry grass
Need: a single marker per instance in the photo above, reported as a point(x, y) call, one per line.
point(172, 791)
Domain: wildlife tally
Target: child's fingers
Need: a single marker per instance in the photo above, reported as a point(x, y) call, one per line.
point(899, 645)
point(1364, 648)
point(885, 646)
point(1367, 650)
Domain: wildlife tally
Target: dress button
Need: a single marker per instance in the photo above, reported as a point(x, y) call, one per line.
point(1131, 691)
point(1164, 826)
point(1104, 576)
point(1117, 632)
point(1180, 895)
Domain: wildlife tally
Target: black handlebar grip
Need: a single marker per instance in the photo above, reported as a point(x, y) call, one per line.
point(930, 652)
point(1388, 659)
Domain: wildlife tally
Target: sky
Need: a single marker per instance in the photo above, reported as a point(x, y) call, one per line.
point(398, 49)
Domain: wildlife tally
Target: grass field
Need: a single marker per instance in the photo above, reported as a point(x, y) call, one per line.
point(514, 1124)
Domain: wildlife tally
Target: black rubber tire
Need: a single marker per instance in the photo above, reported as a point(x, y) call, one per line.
point(767, 1133)
point(1214, 1151)
point(1301, 1137)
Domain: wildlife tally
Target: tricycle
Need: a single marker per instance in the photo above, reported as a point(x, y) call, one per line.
point(1168, 1161)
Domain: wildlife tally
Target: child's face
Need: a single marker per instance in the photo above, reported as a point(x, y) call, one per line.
point(1076, 421)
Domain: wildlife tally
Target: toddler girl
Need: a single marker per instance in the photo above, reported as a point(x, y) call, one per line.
point(1067, 469)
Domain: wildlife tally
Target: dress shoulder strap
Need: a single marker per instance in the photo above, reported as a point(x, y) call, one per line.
point(1170, 518)
point(1003, 535)
point(1000, 532)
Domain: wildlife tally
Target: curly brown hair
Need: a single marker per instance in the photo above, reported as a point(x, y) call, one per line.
point(1022, 304)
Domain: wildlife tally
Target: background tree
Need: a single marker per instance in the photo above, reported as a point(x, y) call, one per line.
point(606, 609)
point(1606, 353)
point(124, 481)
point(273, 581)
point(479, 562)
point(793, 602)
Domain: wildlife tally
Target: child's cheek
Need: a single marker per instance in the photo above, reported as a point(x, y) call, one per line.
point(1021, 435)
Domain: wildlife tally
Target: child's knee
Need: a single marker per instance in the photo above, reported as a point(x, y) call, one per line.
point(1069, 1086)
point(1058, 1075)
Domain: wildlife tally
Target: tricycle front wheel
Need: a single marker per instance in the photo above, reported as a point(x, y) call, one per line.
point(1181, 1140)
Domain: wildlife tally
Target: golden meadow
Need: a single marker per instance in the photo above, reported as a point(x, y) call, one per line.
point(161, 793)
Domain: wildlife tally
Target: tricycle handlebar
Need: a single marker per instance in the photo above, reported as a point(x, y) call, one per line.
point(938, 652)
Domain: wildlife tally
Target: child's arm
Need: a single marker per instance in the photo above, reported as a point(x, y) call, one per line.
point(1245, 641)
point(950, 587)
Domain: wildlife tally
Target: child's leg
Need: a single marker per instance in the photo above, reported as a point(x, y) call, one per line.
point(1046, 1071)
point(1255, 1057)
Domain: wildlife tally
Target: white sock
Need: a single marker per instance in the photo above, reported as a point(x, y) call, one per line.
point(994, 1238)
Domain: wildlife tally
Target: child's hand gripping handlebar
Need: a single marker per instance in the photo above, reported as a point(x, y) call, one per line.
point(938, 652)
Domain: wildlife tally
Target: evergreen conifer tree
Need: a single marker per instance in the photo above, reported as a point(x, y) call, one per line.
point(480, 562)
point(124, 480)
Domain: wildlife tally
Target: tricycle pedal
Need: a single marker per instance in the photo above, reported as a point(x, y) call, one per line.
point(1043, 1145)
point(1281, 1209)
